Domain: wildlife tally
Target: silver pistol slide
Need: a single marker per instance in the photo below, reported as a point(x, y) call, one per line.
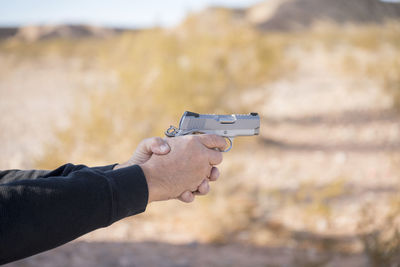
point(227, 126)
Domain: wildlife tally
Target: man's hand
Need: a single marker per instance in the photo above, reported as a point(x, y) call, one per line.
point(145, 150)
point(158, 146)
point(185, 170)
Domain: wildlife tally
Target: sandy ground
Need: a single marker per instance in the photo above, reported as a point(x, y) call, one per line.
point(154, 254)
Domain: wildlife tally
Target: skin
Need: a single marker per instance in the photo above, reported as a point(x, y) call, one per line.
point(179, 167)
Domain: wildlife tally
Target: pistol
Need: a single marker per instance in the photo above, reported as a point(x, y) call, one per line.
point(227, 126)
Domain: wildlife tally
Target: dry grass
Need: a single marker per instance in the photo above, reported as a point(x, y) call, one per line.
point(161, 73)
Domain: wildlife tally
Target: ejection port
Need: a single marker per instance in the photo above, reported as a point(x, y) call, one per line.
point(228, 119)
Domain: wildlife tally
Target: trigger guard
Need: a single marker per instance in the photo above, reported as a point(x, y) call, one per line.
point(230, 144)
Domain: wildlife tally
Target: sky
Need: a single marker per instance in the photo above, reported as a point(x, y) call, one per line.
point(111, 13)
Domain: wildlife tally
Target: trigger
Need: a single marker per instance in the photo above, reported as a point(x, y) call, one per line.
point(230, 144)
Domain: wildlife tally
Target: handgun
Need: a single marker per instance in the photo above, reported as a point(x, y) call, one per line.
point(227, 126)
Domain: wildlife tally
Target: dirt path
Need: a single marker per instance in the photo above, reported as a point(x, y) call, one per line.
point(153, 254)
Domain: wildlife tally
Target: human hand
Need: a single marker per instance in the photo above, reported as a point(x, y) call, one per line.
point(203, 188)
point(145, 150)
point(186, 170)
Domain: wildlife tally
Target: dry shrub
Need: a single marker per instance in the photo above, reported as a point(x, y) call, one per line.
point(194, 67)
point(161, 73)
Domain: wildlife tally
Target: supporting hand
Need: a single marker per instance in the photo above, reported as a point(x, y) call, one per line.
point(186, 170)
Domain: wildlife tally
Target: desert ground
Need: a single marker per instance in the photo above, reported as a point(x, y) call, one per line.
point(327, 157)
point(320, 185)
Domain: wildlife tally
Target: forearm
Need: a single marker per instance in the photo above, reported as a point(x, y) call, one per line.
point(40, 214)
point(15, 175)
point(8, 176)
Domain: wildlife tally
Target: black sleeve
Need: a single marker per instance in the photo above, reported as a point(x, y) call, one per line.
point(50, 208)
point(15, 175)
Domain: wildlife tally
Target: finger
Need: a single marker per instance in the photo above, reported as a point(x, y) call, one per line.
point(158, 146)
point(213, 141)
point(186, 197)
point(203, 188)
point(214, 174)
point(214, 157)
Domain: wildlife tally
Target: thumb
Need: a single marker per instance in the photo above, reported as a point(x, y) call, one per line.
point(158, 146)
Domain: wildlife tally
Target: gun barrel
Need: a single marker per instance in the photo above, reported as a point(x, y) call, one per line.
point(228, 126)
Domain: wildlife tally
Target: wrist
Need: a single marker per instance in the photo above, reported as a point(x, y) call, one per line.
point(153, 188)
point(118, 166)
point(122, 165)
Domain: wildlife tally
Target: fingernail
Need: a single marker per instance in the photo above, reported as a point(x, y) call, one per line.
point(164, 148)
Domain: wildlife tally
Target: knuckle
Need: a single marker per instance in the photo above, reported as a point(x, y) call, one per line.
point(216, 157)
point(159, 139)
point(215, 173)
point(201, 190)
point(145, 141)
point(206, 185)
point(213, 140)
point(156, 141)
point(217, 141)
point(221, 141)
point(186, 197)
point(204, 191)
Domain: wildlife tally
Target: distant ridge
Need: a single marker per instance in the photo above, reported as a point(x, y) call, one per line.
point(270, 15)
point(34, 33)
point(287, 15)
point(290, 15)
point(8, 32)
point(43, 32)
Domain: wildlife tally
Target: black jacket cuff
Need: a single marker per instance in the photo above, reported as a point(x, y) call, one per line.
point(104, 168)
point(129, 191)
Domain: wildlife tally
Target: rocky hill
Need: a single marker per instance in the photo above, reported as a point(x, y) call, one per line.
point(300, 14)
point(289, 15)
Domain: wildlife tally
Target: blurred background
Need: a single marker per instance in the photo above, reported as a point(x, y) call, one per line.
point(85, 82)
